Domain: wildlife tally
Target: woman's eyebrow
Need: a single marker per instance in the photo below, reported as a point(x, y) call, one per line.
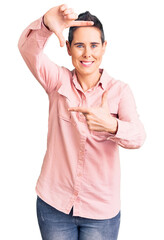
point(95, 43)
point(79, 43)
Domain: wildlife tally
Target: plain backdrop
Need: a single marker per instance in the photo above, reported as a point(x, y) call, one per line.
point(135, 55)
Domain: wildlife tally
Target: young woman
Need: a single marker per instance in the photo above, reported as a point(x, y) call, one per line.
point(90, 115)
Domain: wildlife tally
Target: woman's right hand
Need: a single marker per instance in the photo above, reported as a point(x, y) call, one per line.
point(61, 17)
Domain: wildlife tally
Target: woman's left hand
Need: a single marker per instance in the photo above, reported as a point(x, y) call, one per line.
point(99, 118)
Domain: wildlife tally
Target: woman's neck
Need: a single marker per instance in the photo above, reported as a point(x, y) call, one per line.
point(89, 80)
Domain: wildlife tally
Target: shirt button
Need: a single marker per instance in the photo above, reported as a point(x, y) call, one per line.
point(79, 174)
point(76, 193)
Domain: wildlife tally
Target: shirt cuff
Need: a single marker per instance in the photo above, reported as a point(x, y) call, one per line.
point(39, 25)
point(45, 29)
point(102, 136)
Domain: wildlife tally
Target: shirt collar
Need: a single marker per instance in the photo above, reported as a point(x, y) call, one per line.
point(66, 88)
point(104, 79)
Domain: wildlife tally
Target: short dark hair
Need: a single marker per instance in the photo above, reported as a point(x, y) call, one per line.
point(87, 16)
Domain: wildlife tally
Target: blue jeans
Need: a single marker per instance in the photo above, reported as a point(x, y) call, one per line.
point(56, 225)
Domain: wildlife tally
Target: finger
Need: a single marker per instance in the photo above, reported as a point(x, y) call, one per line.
point(61, 39)
point(72, 16)
point(104, 102)
point(81, 23)
point(79, 109)
point(68, 11)
point(63, 7)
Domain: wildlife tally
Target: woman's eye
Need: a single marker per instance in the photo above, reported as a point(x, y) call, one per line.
point(94, 45)
point(79, 46)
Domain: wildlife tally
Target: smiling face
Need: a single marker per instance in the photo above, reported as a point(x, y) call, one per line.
point(86, 50)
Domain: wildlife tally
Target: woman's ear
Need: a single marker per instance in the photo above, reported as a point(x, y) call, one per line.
point(104, 46)
point(68, 48)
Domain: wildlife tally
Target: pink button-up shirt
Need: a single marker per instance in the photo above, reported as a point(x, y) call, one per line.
point(81, 168)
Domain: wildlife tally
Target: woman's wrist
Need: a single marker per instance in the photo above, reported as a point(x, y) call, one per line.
point(113, 126)
point(45, 23)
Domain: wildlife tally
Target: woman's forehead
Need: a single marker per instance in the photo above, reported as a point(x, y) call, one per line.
point(91, 34)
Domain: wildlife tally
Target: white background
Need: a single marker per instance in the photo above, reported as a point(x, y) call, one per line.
point(135, 55)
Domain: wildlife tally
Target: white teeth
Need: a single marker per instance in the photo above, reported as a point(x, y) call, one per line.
point(86, 63)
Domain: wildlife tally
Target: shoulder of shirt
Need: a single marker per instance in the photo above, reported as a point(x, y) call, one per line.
point(66, 72)
point(114, 83)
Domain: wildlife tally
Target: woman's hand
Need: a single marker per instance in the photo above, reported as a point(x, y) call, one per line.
point(61, 17)
point(99, 118)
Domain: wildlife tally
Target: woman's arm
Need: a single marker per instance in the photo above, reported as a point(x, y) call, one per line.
point(34, 38)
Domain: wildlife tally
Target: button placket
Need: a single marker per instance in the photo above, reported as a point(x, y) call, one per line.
point(80, 165)
point(80, 162)
point(81, 116)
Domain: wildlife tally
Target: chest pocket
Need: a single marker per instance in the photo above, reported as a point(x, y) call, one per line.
point(62, 108)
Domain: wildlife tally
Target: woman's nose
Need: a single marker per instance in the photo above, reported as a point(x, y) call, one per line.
point(87, 52)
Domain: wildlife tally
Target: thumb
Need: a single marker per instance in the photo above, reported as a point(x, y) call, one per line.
point(61, 39)
point(104, 101)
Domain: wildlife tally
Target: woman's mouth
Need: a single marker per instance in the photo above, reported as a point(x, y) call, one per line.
point(87, 63)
